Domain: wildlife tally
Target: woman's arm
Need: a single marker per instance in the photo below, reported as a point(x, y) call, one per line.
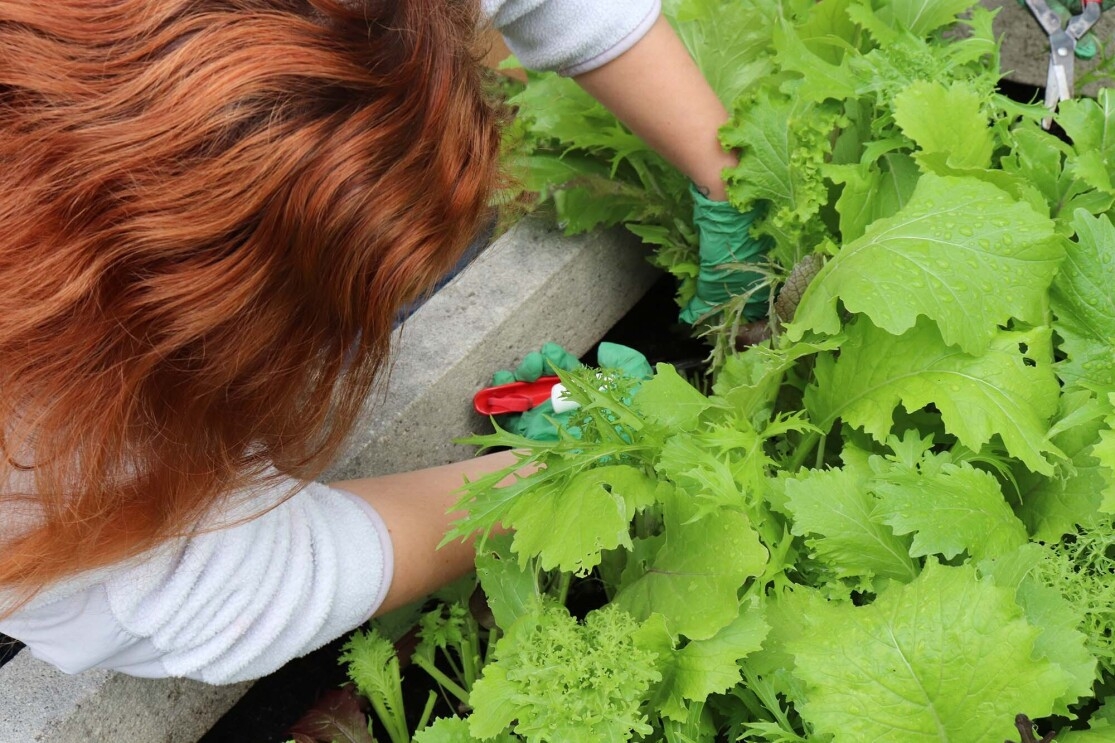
point(657, 90)
point(415, 506)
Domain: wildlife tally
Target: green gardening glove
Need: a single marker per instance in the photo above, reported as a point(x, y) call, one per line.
point(725, 236)
point(1086, 47)
point(540, 423)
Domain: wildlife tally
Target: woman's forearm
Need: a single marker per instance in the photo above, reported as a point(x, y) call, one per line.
point(657, 90)
point(416, 507)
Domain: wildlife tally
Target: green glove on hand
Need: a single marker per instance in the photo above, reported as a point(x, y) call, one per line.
point(538, 423)
point(1086, 47)
point(725, 235)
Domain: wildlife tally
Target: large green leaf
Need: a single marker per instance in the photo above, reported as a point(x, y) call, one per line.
point(568, 528)
point(1053, 506)
point(1090, 123)
point(923, 16)
point(1084, 303)
point(671, 401)
point(946, 659)
point(1059, 619)
point(728, 41)
point(949, 509)
point(816, 48)
point(694, 577)
point(873, 191)
point(961, 252)
point(1010, 390)
point(511, 589)
point(947, 122)
point(834, 508)
point(701, 667)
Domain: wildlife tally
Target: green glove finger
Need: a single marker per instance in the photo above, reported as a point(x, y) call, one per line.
point(557, 357)
point(725, 235)
point(503, 376)
point(541, 363)
point(537, 423)
point(1087, 47)
point(530, 369)
point(628, 360)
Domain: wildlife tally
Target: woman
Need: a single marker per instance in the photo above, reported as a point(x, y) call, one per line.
point(212, 211)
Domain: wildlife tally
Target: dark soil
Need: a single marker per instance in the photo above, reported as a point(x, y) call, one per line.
point(8, 648)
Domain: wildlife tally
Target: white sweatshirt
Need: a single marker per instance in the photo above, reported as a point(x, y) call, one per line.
point(240, 601)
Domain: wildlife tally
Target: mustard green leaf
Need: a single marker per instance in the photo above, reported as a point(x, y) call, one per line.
point(728, 41)
point(961, 252)
point(1053, 506)
point(923, 16)
point(703, 667)
point(697, 570)
point(877, 190)
point(1045, 607)
point(815, 50)
point(949, 509)
point(1010, 390)
point(1089, 124)
point(454, 730)
point(687, 461)
point(511, 589)
point(784, 143)
point(567, 528)
point(1100, 731)
point(947, 658)
point(670, 400)
point(1104, 452)
point(1084, 304)
point(833, 508)
point(1060, 641)
point(749, 381)
point(946, 121)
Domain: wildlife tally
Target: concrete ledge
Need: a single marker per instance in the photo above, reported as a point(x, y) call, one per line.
point(532, 285)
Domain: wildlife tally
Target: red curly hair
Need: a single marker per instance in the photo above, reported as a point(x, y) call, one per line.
point(212, 211)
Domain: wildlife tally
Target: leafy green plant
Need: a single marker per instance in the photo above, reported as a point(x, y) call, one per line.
point(894, 520)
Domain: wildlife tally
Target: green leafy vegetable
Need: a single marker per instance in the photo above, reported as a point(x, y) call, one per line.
point(961, 253)
point(556, 679)
point(880, 669)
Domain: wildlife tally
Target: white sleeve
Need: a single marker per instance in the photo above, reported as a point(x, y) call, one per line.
point(571, 36)
point(226, 605)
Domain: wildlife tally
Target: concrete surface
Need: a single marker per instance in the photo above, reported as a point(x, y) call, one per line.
point(39, 703)
point(532, 285)
point(1025, 47)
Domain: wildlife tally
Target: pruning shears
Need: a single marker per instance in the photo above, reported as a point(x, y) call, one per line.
point(1062, 47)
point(515, 397)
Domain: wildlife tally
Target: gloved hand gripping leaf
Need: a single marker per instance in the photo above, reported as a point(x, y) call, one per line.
point(726, 241)
point(540, 422)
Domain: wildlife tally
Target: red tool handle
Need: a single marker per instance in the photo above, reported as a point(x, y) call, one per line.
point(514, 397)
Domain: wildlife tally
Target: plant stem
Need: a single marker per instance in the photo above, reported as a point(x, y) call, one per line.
point(563, 587)
point(443, 681)
point(803, 450)
point(427, 711)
